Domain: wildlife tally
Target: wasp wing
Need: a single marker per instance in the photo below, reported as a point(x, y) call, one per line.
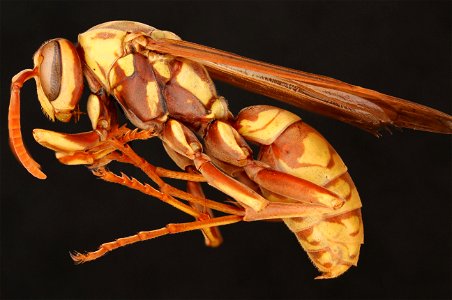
point(364, 108)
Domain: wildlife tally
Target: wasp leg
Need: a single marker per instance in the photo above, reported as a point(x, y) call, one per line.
point(291, 186)
point(84, 148)
point(171, 228)
point(225, 144)
point(212, 235)
point(165, 197)
point(183, 141)
point(161, 172)
point(150, 171)
point(87, 147)
point(146, 189)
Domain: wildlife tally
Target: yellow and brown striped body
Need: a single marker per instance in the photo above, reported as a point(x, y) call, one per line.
point(174, 97)
point(333, 239)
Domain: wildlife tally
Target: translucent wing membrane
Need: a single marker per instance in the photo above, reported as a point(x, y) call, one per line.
point(361, 107)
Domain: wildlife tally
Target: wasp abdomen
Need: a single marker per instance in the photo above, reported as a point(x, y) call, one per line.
point(331, 239)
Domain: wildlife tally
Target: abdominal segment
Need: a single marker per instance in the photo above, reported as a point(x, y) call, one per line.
point(332, 239)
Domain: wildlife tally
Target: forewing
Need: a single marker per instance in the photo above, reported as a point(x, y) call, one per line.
point(365, 108)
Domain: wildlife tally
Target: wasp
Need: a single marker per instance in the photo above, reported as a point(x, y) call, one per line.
point(164, 87)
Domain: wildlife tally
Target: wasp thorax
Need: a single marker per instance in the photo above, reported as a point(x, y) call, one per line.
point(59, 78)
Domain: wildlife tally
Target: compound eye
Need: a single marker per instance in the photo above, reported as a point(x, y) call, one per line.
point(50, 70)
point(60, 78)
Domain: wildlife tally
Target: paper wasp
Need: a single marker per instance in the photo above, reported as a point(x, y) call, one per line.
point(163, 85)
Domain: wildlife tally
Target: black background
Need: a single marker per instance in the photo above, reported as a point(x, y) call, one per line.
point(400, 48)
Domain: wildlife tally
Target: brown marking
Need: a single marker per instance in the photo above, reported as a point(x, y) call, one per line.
point(338, 219)
point(252, 114)
point(132, 95)
point(248, 113)
point(89, 138)
point(327, 265)
point(298, 219)
point(183, 105)
point(93, 83)
point(264, 127)
point(353, 256)
point(104, 35)
point(331, 162)
point(345, 177)
point(175, 68)
point(128, 26)
point(304, 234)
point(102, 69)
point(143, 68)
point(316, 255)
point(288, 146)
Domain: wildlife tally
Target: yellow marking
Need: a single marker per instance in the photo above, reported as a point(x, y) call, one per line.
point(352, 203)
point(268, 126)
point(320, 175)
point(325, 232)
point(325, 258)
point(102, 52)
point(340, 187)
point(163, 34)
point(219, 109)
point(93, 108)
point(351, 224)
point(152, 96)
point(126, 64)
point(227, 136)
point(307, 222)
point(316, 151)
point(56, 141)
point(162, 68)
point(314, 239)
point(189, 80)
point(332, 231)
point(63, 157)
point(353, 252)
point(68, 80)
point(326, 199)
point(46, 107)
point(178, 132)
